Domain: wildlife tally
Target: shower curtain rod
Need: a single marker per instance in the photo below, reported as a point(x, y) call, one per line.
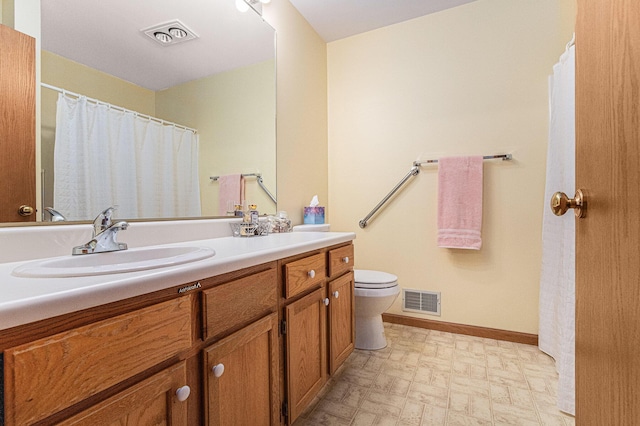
point(413, 172)
point(260, 182)
point(119, 108)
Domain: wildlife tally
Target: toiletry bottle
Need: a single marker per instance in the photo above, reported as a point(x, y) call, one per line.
point(238, 210)
point(253, 211)
point(246, 217)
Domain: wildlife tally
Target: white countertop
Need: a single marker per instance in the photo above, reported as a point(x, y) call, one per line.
point(25, 300)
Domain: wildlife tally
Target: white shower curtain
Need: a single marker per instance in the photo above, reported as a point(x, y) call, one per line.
point(106, 157)
point(556, 334)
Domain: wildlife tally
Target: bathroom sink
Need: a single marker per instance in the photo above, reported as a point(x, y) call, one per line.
point(131, 260)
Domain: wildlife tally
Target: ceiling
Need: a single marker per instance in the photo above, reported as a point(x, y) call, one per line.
point(106, 35)
point(336, 19)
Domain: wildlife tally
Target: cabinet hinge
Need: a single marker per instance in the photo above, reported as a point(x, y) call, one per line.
point(283, 327)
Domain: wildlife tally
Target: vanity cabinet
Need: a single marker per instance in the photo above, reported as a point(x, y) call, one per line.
point(156, 400)
point(306, 350)
point(251, 346)
point(342, 330)
point(318, 322)
point(241, 376)
point(51, 374)
point(241, 371)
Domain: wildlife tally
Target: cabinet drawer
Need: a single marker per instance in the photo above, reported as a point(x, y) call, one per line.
point(53, 373)
point(304, 274)
point(340, 260)
point(238, 302)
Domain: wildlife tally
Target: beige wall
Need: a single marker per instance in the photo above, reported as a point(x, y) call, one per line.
point(301, 110)
point(471, 80)
point(234, 113)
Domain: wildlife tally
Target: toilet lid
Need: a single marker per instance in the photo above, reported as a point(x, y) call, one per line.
point(374, 279)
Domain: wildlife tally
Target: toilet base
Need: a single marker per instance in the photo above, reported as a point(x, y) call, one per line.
point(370, 333)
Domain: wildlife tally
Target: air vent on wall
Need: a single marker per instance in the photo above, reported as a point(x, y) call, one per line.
point(170, 33)
point(426, 302)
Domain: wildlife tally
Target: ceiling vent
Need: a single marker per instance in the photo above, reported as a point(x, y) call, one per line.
point(170, 33)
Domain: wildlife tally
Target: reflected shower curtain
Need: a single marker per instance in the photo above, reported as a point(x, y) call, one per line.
point(106, 157)
point(556, 334)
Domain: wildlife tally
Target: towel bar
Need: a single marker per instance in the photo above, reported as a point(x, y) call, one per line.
point(414, 172)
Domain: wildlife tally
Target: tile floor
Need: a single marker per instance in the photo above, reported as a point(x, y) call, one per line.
point(427, 377)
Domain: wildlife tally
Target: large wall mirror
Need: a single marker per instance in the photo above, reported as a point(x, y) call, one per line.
point(199, 64)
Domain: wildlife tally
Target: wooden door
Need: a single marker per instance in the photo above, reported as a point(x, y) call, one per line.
point(306, 350)
point(241, 377)
point(608, 239)
point(342, 325)
point(148, 403)
point(17, 125)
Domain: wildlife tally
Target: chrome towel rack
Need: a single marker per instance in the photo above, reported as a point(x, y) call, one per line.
point(415, 169)
point(259, 180)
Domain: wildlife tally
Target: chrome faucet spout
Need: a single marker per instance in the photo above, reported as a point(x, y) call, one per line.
point(56, 216)
point(104, 235)
point(102, 221)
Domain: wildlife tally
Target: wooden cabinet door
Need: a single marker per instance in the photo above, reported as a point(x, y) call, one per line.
point(342, 325)
point(241, 377)
point(306, 350)
point(17, 125)
point(148, 403)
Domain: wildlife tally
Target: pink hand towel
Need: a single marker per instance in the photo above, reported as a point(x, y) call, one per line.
point(460, 202)
point(231, 191)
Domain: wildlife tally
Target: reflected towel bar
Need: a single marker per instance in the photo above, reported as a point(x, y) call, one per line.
point(260, 182)
point(413, 172)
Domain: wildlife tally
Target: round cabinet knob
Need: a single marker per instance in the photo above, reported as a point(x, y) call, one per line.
point(560, 203)
point(336, 294)
point(312, 274)
point(25, 210)
point(326, 302)
point(183, 393)
point(218, 370)
point(345, 259)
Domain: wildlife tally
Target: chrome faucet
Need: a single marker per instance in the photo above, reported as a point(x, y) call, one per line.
point(104, 235)
point(56, 216)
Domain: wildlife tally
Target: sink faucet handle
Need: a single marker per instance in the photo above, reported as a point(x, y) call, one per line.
point(102, 221)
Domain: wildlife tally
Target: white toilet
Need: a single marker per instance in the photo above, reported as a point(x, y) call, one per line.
point(375, 292)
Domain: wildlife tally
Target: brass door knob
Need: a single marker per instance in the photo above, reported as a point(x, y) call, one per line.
point(560, 203)
point(25, 210)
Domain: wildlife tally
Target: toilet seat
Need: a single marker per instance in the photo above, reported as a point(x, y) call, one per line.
point(367, 279)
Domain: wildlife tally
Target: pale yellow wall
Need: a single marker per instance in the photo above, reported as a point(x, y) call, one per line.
point(234, 113)
point(466, 81)
point(64, 73)
point(301, 110)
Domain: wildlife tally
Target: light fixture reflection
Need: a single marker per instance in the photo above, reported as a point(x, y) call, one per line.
point(163, 37)
point(242, 5)
point(177, 32)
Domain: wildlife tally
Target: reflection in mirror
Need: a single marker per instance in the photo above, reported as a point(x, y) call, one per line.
point(221, 83)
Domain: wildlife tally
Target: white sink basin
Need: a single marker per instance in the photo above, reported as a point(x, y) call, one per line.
point(113, 262)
